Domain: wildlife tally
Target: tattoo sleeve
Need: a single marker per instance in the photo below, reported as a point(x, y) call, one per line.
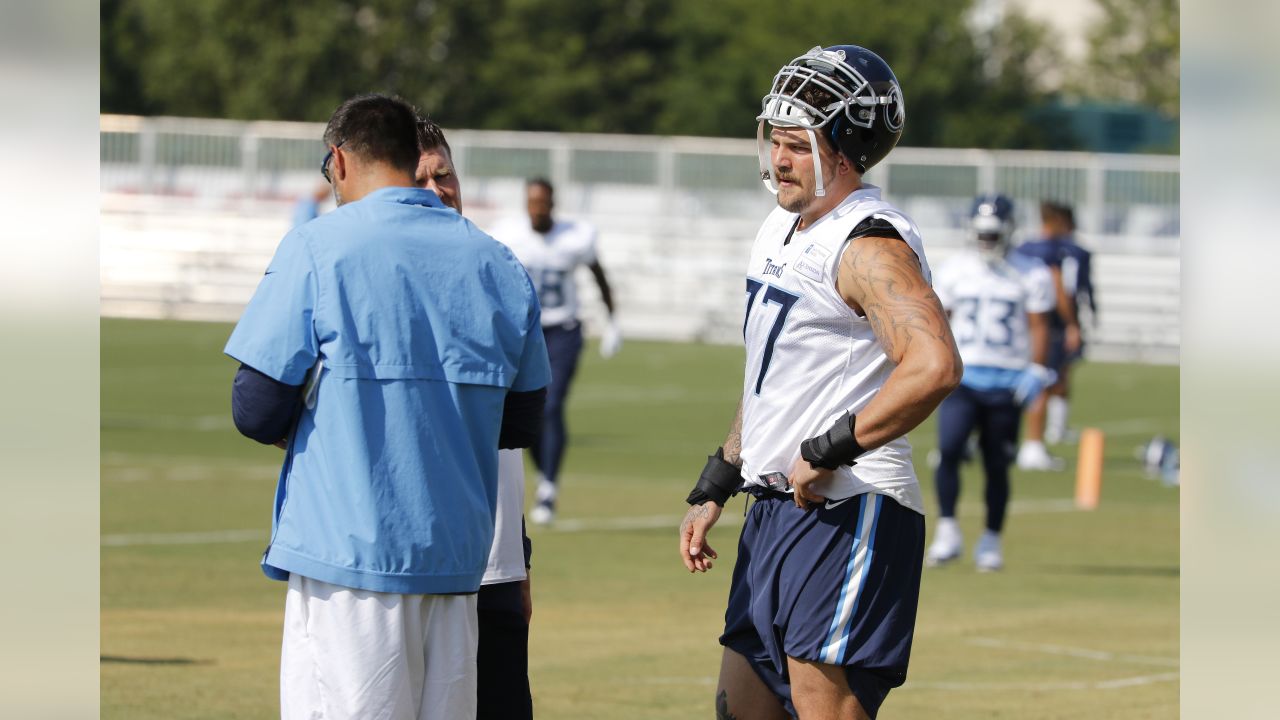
point(733, 441)
point(881, 278)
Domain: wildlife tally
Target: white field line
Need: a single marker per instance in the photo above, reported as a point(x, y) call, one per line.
point(1133, 426)
point(1135, 681)
point(138, 421)
point(222, 422)
point(1083, 653)
point(730, 518)
point(191, 473)
point(648, 522)
point(568, 525)
point(191, 538)
point(1117, 684)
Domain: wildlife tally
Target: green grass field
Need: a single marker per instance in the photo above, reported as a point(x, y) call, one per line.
point(1082, 623)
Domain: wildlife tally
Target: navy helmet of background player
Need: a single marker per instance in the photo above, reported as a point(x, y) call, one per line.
point(552, 250)
point(998, 303)
point(992, 222)
point(839, 309)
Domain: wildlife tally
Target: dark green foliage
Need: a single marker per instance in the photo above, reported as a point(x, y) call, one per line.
point(614, 66)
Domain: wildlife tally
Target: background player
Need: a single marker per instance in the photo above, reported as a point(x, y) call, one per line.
point(848, 349)
point(998, 302)
point(504, 605)
point(1070, 266)
point(552, 250)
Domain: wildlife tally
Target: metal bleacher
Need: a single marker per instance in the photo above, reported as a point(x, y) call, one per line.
point(193, 209)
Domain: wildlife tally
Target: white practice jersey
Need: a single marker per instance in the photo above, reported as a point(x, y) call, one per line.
point(551, 260)
point(989, 300)
point(811, 358)
point(506, 555)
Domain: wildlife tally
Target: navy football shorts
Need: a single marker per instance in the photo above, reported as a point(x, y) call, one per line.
point(835, 584)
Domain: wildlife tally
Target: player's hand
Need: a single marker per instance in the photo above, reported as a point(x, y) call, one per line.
point(526, 598)
point(803, 478)
point(610, 340)
point(1033, 380)
point(694, 550)
point(1071, 338)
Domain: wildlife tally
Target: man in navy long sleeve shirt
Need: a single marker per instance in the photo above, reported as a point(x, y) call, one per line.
point(1070, 266)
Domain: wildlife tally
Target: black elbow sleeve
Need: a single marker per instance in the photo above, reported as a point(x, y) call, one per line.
point(263, 408)
point(522, 419)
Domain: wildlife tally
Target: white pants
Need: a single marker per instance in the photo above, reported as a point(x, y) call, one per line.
point(368, 655)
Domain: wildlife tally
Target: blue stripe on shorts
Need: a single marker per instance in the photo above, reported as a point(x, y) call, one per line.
point(838, 584)
point(861, 554)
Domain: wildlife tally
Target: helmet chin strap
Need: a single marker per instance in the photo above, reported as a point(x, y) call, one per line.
point(766, 167)
point(818, 189)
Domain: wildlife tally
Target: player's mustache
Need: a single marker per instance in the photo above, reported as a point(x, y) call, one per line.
point(781, 176)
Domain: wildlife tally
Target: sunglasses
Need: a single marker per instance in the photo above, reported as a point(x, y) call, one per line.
point(324, 164)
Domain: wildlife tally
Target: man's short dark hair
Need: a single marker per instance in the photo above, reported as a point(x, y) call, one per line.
point(540, 182)
point(1061, 212)
point(378, 128)
point(431, 136)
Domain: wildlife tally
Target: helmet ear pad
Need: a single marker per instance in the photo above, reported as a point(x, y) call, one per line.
point(848, 139)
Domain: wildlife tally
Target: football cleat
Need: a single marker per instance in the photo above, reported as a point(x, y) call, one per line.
point(542, 514)
point(986, 554)
point(947, 545)
point(1033, 456)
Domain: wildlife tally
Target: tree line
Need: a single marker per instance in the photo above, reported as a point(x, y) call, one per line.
point(681, 67)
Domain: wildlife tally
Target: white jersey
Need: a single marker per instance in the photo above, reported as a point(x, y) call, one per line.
point(551, 260)
point(506, 555)
point(989, 301)
point(811, 358)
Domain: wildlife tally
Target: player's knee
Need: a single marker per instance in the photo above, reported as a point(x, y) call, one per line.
point(951, 453)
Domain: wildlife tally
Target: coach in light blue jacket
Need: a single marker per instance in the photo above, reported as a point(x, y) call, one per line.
point(380, 349)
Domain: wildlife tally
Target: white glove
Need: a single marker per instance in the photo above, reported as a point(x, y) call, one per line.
point(1034, 379)
point(610, 340)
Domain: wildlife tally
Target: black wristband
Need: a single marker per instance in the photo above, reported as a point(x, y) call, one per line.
point(718, 482)
point(833, 448)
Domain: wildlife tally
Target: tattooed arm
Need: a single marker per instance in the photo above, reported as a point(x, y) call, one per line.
point(880, 279)
point(733, 441)
point(698, 520)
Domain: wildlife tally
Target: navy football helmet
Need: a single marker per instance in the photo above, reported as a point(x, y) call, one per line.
point(992, 222)
point(844, 91)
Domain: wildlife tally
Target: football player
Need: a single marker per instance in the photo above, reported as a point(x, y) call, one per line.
point(998, 302)
point(552, 250)
point(1070, 266)
point(848, 349)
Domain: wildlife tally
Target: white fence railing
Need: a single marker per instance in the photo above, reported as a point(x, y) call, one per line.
point(192, 210)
